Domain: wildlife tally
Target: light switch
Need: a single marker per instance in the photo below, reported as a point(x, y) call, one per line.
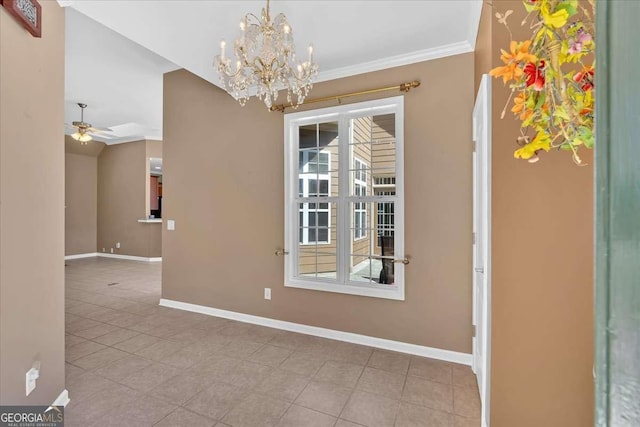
point(171, 224)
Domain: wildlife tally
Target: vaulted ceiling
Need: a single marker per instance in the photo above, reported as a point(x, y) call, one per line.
point(349, 37)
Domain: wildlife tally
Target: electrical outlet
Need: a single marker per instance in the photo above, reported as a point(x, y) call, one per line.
point(118, 245)
point(171, 224)
point(267, 293)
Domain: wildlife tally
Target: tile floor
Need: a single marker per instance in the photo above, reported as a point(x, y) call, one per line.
point(133, 363)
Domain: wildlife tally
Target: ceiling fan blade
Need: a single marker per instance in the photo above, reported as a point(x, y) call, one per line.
point(98, 130)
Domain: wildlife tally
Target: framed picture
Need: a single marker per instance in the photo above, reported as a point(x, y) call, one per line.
point(27, 12)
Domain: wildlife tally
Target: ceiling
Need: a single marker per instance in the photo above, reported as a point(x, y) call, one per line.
point(120, 81)
point(124, 80)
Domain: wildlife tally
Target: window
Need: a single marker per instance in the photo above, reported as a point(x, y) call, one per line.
point(344, 199)
point(360, 208)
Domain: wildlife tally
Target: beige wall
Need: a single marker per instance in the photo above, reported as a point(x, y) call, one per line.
point(81, 196)
point(122, 200)
point(32, 207)
point(542, 279)
point(225, 191)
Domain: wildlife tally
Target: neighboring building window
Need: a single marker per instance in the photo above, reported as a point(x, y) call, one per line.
point(314, 181)
point(360, 208)
point(384, 181)
point(385, 215)
point(344, 199)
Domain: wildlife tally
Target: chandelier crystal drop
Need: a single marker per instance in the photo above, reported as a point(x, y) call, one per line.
point(265, 62)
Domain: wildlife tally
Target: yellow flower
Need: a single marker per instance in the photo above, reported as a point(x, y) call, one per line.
point(519, 53)
point(557, 19)
point(542, 141)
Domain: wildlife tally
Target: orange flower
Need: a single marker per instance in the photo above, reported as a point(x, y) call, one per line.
point(519, 53)
point(520, 107)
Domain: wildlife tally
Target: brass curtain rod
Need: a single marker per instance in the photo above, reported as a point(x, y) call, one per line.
point(404, 87)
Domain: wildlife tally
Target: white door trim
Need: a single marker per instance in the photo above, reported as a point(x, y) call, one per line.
point(482, 236)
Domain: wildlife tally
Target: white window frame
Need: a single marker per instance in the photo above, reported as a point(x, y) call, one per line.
point(343, 114)
point(306, 176)
point(359, 166)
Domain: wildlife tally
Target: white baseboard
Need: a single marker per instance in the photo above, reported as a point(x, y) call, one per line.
point(129, 257)
point(79, 256)
point(62, 399)
point(402, 347)
point(117, 256)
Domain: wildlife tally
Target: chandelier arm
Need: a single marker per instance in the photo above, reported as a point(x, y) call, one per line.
point(251, 15)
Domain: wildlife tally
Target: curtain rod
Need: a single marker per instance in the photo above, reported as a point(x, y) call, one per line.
point(404, 87)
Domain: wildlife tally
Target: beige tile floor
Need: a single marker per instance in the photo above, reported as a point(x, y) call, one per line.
point(133, 363)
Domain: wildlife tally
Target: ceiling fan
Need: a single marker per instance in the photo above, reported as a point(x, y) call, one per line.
point(83, 129)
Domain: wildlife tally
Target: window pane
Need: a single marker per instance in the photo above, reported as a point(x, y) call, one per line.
point(316, 263)
point(324, 187)
point(307, 136)
point(363, 269)
point(323, 219)
point(373, 152)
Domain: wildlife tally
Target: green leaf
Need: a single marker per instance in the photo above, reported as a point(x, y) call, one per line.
point(562, 114)
point(540, 101)
point(571, 6)
point(586, 135)
point(529, 6)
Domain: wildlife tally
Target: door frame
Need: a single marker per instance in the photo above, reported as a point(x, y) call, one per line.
point(617, 223)
point(481, 315)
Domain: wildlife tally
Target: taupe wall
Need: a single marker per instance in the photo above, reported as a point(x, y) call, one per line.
point(32, 207)
point(122, 200)
point(81, 196)
point(542, 334)
point(224, 188)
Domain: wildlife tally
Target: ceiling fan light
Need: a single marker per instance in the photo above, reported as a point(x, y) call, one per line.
point(76, 136)
point(85, 138)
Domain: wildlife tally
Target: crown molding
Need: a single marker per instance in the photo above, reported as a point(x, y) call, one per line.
point(396, 61)
point(65, 3)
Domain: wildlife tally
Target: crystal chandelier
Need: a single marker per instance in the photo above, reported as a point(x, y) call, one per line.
point(265, 60)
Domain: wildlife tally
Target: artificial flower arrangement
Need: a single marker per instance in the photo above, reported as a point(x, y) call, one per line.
point(551, 77)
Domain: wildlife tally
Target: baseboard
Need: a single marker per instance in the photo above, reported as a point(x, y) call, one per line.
point(129, 257)
point(79, 256)
point(62, 399)
point(117, 256)
point(402, 347)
